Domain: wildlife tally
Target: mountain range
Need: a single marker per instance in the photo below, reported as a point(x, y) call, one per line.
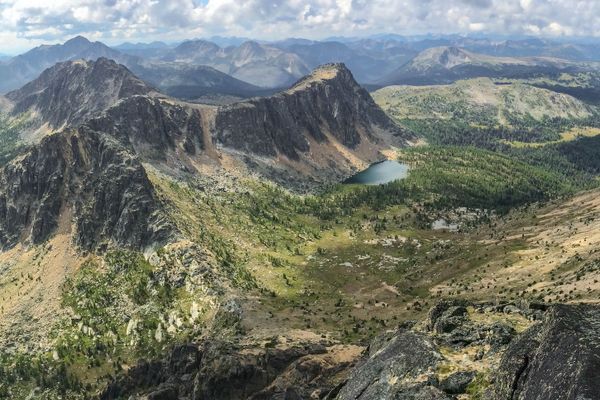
point(195, 68)
point(168, 77)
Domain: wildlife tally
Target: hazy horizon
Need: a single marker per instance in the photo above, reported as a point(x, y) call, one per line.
point(27, 24)
point(219, 39)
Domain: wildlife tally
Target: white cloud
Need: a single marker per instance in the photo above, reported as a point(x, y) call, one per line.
point(34, 21)
point(477, 26)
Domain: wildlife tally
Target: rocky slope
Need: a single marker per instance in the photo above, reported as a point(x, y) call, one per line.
point(72, 92)
point(462, 350)
point(328, 104)
point(84, 174)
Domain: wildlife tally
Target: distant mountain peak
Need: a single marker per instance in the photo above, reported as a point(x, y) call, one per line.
point(77, 40)
point(445, 56)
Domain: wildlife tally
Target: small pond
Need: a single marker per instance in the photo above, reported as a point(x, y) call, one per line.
point(380, 173)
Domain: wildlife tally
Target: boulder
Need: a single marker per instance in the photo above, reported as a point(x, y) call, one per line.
point(397, 369)
point(457, 382)
point(556, 359)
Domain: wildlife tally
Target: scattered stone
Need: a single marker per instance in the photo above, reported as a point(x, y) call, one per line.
point(457, 382)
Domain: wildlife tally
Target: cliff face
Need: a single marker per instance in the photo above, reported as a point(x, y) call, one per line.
point(87, 176)
point(153, 127)
point(559, 356)
point(326, 104)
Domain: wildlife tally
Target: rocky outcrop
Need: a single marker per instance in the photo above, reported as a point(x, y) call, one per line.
point(395, 369)
point(114, 200)
point(70, 93)
point(326, 105)
point(451, 325)
point(556, 359)
point(90, 179)
point(219, 370)
point(31, 190)
point(153, 127)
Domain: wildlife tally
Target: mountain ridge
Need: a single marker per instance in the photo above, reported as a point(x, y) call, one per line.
point(447, 64)
point(138, 126)
point(169, 77)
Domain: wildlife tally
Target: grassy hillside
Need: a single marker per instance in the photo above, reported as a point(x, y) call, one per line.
point(480, 110)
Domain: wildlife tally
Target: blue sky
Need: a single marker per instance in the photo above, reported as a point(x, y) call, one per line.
point(26, 23)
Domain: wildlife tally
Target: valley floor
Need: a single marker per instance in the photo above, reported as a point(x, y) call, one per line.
point(261, 265)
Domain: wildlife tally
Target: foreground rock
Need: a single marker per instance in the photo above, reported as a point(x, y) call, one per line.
point(556, 359)
point(219, 370)
point(396, 367)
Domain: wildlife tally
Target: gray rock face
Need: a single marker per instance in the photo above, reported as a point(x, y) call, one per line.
point(152, 127)
point(72, 92)
point(450, 322)
point(31, 192)
point(86, 175)
point(556, 359)
point(457, 382)
point(327, 102)
point(117, 201)
point(393, 370)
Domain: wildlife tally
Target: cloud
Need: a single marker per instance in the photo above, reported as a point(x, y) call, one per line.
point(32, 21)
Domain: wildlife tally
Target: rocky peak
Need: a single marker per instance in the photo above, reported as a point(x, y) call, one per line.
point(198, 46)
point(77, 41)
point(324, 106)
point(71, 92)
point(324, 73)
point(446, 57)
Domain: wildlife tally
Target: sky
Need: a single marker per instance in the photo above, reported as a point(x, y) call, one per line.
point(27, 23)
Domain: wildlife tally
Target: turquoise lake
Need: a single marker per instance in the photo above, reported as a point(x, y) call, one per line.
point(380, 173)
